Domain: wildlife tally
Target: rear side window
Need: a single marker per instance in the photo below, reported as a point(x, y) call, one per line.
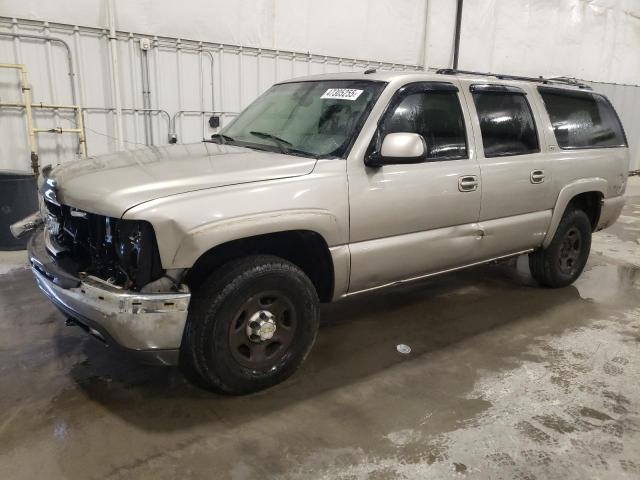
point(434, 114)
point(506, 121)
point(582, 119)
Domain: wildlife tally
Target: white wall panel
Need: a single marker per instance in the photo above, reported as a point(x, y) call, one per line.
point(379, 29)
point(594, 39)
point(183, 83)
point(626, 100)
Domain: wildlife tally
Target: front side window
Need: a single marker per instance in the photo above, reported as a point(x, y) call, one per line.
point(317, 118)
point(434, 114)
point(582, 119)
point(506, 122)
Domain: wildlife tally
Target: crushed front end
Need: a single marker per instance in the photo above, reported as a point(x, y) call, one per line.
point(105, 275)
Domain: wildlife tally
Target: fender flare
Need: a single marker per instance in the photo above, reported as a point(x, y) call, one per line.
point(200, 240)
point(568, 192)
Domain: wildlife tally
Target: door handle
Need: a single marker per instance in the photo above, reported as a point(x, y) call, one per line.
point(468, 183)
point(537, 176)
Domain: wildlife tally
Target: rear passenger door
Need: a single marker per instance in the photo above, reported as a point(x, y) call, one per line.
point(516, 176)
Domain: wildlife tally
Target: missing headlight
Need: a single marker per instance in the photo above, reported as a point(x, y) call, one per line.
point(137, 251)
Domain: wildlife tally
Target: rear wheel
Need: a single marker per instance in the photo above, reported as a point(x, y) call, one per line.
point(250, 326)
point(562, 262)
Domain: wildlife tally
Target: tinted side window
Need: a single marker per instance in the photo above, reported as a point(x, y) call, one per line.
point(582, 119)
point(506, 123)
point(436, 116)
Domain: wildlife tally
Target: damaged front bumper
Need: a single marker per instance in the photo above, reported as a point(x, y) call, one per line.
point(148, 325)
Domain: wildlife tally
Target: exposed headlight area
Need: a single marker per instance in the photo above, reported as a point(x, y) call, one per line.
point(121, 252)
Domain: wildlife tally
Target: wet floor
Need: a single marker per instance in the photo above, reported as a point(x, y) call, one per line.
point(504, 380)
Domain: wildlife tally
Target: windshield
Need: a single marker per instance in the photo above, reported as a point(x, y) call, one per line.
point(319, 119)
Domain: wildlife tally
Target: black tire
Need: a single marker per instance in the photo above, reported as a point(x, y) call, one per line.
point(562, 262)
point(225, 346)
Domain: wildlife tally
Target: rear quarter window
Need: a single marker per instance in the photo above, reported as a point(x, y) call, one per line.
point(582, 119)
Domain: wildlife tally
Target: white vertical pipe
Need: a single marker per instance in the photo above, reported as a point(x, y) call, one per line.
point(115, 76)
point(17, 50)
point(425, 38)
point(221, 75)
point(156, 75)
point(53, 89)
point(275, 61)
point(240, 79)
point(258, 59)
point(79, 62)
point(200, 76)
point(134, 86)
point(180, 82)
point(17, 54)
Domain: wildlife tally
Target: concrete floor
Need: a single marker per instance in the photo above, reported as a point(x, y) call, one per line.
point(505, 380)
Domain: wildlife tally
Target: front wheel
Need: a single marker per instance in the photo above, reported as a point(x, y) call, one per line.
point(562, 262)
point(250, 326)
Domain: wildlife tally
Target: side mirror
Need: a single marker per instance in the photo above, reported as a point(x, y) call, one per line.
point(399, 148)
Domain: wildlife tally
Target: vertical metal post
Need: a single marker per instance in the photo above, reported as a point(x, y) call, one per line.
point(212, 83)
point(134, 89)
point(258, 60)
point(146, 94)
point(26, 95)
point(76, 43)
point(157, 85)
point(53, 87)
point(115, 76)
point(425, 38)
point(201, 85)
point(81, 134)
point(456, 46)
point(221, 75)
point(179, 84)
point(240, 79)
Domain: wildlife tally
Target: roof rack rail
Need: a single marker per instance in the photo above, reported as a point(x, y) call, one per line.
point(557, 80)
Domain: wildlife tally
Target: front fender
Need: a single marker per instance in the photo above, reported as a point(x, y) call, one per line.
point(201, 239)
point(568, 192)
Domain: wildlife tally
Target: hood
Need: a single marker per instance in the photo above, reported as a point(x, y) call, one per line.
point(111, 184)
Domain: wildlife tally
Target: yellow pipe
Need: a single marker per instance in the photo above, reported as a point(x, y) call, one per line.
point(28, 106)
point(81, 135)
point(17, 66)
point(57, 130)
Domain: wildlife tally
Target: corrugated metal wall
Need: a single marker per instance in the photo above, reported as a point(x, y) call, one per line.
point(626, 100)
point(186, 78)
point(188, 81)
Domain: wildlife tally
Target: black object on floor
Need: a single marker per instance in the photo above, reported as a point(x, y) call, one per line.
point(18, 199)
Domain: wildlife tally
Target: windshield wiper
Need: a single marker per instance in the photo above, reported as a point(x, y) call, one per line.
point(222, 137)
point(283, 144)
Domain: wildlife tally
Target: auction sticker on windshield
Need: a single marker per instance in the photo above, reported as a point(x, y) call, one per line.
point(342, 93)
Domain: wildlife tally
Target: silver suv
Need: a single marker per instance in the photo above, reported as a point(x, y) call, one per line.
point(215, 256)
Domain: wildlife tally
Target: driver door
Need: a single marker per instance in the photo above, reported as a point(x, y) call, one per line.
point(411, 220)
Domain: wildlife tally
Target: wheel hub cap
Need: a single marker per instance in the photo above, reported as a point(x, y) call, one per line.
point(261, 326)
point(570, 250)
point(262, 330)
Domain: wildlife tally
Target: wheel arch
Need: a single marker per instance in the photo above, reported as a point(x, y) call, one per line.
point(306, 249)
point(587, 194)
